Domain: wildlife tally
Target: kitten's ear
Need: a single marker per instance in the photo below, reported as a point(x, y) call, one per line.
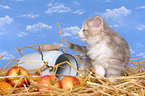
point(91, 18)
point(98, 22)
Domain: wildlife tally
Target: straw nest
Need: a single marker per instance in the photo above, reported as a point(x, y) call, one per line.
point(131, 83)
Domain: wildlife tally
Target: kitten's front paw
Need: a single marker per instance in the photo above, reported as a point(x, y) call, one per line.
point(68, 44)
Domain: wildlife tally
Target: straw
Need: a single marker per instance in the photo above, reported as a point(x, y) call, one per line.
point(130, 83)
point(10, 62)
point(90, 85)
point(61, 37)
point(19, 50)
point(2, 56)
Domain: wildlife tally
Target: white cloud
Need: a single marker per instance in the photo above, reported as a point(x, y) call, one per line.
point(59, 44)
point(5, 7)
point(76, 2)
point(142, 54)
point(140, 7)
point(132, 51)
point(115, 25)
point(108, 1)
point(1, 33)
point(6, 20)
point(78, 12)
point(115, 14)
point(21, 34)
point(140, 27)
point(57, 8)
point(29, 15)
point(6, 55)
point(50, 4)
point(20, 0)
point(67, 34)
point(35, 27)
point(69, 31)
point(139, 45)
point(76, 37)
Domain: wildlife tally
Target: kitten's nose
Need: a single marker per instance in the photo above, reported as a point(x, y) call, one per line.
point(78, 34)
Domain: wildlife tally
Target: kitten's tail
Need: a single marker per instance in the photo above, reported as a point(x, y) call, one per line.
point(75, 47)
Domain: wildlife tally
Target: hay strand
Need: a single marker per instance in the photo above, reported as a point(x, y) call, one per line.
point(61, 37)
point(2, 56)
point(131, 83)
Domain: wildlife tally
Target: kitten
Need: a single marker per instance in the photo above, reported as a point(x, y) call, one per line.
point(106, 51)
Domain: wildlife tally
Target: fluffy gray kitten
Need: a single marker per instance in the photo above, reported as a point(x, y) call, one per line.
point(106, 51)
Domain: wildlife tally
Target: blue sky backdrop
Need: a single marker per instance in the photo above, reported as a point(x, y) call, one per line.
point(35, 22)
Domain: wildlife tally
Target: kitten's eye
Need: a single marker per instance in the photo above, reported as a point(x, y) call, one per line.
point(84, 30)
